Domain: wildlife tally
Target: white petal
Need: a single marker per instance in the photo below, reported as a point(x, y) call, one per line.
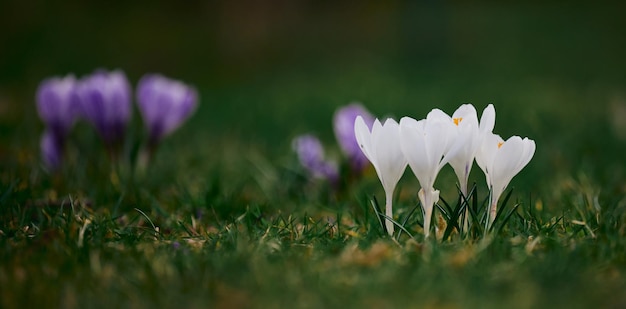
point(527, 154)
point(409, 122)
point(461, 154)
point(438, 114)
point(487, 152)
point(465, 113)
point(412, 143)
point(390, 159)
point(466, 142)
point(363, 137)
point(439, 136)
point(506, 163)
point(488, 119)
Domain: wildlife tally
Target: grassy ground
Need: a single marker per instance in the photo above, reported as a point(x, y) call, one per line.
point(226, 218)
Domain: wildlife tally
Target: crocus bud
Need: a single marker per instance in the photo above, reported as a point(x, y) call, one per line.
point(310, 153)
point(343, 125)
point(105, 100)
point(51, 147)
point(164, 105)
point(57, 105)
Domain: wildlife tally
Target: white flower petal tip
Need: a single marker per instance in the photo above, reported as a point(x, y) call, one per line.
point(488, 119)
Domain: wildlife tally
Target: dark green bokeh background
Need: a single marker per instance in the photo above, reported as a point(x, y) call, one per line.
point(267, 70)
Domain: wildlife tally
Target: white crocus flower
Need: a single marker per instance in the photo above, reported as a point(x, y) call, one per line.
point(426, 145)
point(466, 143)
point(500, 161)
point(381, 146)
point(468, 140)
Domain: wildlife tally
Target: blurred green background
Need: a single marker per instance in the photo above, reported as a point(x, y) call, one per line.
point(268, 70)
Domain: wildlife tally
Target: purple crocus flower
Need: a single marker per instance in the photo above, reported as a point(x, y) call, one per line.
point(57, 105)
point(105, 100)
point(51, 146)
point(311, 155)
point(343, 124)
point(164, 105)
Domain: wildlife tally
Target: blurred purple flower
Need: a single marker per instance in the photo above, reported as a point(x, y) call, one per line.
point(57, 105)
point(164, 105)
point(105, 100)
point(51, 146)
point(311, 155)
point(343, 124)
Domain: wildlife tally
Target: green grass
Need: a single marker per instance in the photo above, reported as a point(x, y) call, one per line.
point(69, 254)
point(225, 217)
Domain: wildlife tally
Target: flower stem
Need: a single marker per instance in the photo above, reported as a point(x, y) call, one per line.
point(389, 212)
point(426, 197)
point(463, 185)
point(144, 157)
point(428, 214)
point(493, 208)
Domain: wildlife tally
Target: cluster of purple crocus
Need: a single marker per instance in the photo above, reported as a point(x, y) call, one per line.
point(104, 99)
point(310, 151)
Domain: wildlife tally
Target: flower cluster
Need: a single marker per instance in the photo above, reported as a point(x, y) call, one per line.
point(104, 99)
point(310, 151)
point(429, 144)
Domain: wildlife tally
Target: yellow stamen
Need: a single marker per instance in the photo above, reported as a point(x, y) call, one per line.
point(500, 144)
point(457, 120)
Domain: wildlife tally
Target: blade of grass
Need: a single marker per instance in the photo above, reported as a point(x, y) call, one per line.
point(378, 213)
point(398, 225)
point(506, 219)
point(454, 220)
point(448, 210)
point(406, 219)
point(156, 230)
